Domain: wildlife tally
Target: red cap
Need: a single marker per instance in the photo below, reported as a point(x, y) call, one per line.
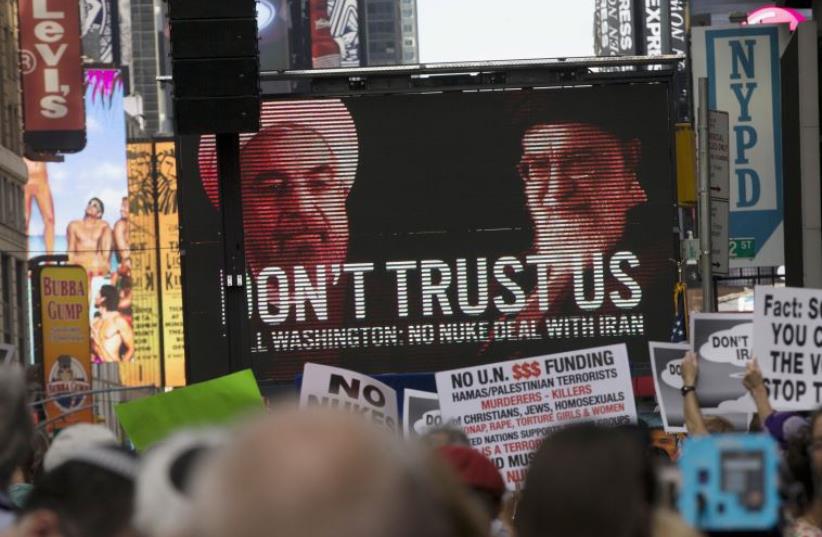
point(474, 469)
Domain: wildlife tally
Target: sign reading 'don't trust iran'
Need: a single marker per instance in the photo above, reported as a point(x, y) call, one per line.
point(742, 67)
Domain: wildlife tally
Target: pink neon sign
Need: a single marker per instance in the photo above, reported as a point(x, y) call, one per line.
point(776, 15)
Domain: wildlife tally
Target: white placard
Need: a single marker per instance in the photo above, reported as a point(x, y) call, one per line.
point(507, 408)
point(347, 390)
point(787, 342)
point(420, 412)
point(666, 363)
point(722, 343)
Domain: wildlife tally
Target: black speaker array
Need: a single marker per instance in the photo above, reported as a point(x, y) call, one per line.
point(215, 66)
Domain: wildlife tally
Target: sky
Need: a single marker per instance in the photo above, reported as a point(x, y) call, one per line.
point(466, 30)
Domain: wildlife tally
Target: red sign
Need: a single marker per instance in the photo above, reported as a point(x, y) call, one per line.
point(325, 52)
point(52, 75)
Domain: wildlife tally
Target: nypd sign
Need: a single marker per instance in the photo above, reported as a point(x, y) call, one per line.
point(742, 67)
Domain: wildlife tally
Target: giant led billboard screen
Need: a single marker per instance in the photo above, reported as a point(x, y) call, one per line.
point(411, 233)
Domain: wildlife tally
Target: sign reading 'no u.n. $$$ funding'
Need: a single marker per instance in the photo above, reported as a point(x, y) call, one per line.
point(507, 408)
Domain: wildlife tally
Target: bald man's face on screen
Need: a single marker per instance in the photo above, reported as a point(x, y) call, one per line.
point(580, 182)
point(294, 199)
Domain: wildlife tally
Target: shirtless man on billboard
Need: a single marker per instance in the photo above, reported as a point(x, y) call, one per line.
point(121, 244)
point(90, 240)
point(112, 338)
point(39, 192)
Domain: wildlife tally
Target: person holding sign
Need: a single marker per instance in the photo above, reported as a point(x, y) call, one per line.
point(695, 422)
point(804, 458)
point(755, 385)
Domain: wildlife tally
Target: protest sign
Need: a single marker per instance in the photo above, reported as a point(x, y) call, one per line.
point(420, 412)
point(340, 388)
point(722, 342)
point(213, 402)
point(788, 344)
point(666, 363)
point(507, 408)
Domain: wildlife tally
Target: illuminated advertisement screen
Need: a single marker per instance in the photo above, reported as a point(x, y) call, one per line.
point(79, 208)
point(414, 233)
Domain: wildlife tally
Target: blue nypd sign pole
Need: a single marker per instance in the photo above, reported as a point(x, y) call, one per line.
point(742, 68)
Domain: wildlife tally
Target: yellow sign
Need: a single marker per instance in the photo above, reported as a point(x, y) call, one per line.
point(172, 290)
point(157, 299)
point(144, 369)
point(685, 164)
point(64, 309)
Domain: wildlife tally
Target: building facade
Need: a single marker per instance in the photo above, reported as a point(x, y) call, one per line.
point(408, 31)
point(389, 32)
point(148, 102)
point(13, 175)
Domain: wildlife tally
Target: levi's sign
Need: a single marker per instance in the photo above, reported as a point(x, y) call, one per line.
point(52, 75)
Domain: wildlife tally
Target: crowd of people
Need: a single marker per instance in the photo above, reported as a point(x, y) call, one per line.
point(322, 473)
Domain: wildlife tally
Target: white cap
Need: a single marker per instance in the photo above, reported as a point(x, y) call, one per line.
point(163, 502)
point(74, 440)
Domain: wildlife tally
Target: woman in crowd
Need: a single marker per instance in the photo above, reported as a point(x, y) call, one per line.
point(804, 458)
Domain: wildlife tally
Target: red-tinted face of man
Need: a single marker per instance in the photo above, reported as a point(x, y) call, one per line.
point(294, 200)
point(580, 182)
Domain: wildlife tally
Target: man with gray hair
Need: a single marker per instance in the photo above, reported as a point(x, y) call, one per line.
point(324, 473)
point(15, 433)
point(449, 434)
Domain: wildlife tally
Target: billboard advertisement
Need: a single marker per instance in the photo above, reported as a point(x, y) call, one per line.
point(743, 71)
point(272, 29)
point(470, 228)
point(52, 75)
point(98, 27)
point(79, 207)
point(171, 290)
point(65, 343)
point(145, 298)
point(335, 37)
point(614, 28)
point(155, 266)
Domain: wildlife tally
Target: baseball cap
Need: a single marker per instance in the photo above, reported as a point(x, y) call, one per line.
point(74, 440)
point(163, 497)
point(473, 468)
